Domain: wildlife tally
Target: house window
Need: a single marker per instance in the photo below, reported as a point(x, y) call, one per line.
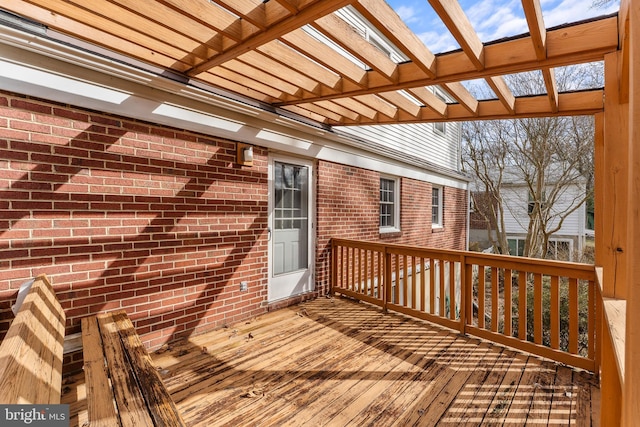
point(531, 206)
point(559, 249)
point(440, 127)
point(516, 247)
point(436, 206)
point(389, 206)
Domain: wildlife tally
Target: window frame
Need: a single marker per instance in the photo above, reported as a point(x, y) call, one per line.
point(395, 226)
point(439, 206)
point(440, 127)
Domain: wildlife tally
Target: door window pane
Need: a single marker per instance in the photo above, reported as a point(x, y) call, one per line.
point(291, 195)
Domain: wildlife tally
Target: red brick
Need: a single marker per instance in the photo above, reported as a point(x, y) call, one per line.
point(161, 221)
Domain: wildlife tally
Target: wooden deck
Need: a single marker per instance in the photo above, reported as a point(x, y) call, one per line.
point(336, 362)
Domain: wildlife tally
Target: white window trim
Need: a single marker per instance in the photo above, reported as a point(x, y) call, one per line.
point(396, 206)
point(557, 240)
point(443, 132)
point(439, 224)
point(438, 131)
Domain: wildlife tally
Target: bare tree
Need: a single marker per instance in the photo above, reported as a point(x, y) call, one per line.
point(545, 155)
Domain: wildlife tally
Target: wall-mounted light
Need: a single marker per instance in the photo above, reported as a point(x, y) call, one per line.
point(245, 154)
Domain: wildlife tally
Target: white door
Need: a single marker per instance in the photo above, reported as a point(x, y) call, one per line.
point(290, 225)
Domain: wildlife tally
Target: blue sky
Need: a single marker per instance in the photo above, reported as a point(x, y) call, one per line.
point(492, 19)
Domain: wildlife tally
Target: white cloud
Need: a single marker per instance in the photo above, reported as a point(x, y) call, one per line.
point(407, 13)
point(493, 20)
point(438, 42)
point(574, 10)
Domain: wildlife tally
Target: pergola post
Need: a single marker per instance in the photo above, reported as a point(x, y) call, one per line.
point(612, 179)
point(631, 388)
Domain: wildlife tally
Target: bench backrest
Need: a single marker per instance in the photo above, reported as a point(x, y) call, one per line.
point(31, 352)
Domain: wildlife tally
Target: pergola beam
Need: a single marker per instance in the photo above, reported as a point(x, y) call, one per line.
point(305, 16)
point(430, 99)
point(283, 54)
point(323, 54)
point(341, 33)
point(379, 13)
point(571, 104)
point(502, 91)
point(533, 13)
point(458, 24)
point(579, 43)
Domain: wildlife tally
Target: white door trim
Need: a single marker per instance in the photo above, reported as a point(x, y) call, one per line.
point(302, 281)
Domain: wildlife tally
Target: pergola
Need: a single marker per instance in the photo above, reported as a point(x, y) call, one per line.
point(260, 51)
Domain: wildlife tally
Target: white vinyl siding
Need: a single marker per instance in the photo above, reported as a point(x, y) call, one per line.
point(516, 217)
point(418, 140)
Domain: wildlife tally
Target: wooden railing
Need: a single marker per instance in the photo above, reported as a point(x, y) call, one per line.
point(548, 308)
point(613, 354)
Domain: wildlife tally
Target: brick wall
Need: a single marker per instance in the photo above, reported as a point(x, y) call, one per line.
point(162, 222)
point(125, 214)
point(348, 207)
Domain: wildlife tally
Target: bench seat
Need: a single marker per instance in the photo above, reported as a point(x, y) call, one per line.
point(123, 386)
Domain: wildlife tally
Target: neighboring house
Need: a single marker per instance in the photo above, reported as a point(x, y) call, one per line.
point(566, 244)
point(120, 183)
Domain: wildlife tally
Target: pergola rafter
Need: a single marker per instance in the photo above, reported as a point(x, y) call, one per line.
point(533, 13)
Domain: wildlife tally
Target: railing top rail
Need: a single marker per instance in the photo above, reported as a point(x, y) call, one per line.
point(533, 265)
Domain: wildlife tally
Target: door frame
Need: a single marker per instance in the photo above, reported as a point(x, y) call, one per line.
point(311, 226)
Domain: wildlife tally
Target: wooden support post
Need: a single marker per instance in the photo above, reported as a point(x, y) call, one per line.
point(631, 387)
point(599, 210)
point(615, 175)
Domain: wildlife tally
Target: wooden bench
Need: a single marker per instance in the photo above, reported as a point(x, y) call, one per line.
point(31, 352)
point(123, 387)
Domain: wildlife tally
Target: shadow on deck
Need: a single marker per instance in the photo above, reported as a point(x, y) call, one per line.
point(337, 362)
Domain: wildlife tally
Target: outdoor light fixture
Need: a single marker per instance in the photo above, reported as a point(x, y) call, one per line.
point(245, 154)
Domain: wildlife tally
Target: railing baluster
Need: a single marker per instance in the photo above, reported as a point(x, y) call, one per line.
point(372, 274)
point(432, 288)
point(423, 286)
point(396, 288)
point(381, 280)
point(405, 282)
point(466, 311)
point(573, 315)
point(507, 301)
point(367, 273)
point(443, 269)
point(481, 295)
point(387, 280)
point(452, 290)
point(537, 308)
point(495, 294)
point(591, 308)
point(554, 309)
point(349, 270)
point(522, 305)
point(359, 284)
point(414, 285)
point(334, 267)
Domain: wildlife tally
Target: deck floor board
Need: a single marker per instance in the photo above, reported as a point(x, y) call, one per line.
point(336, 362)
